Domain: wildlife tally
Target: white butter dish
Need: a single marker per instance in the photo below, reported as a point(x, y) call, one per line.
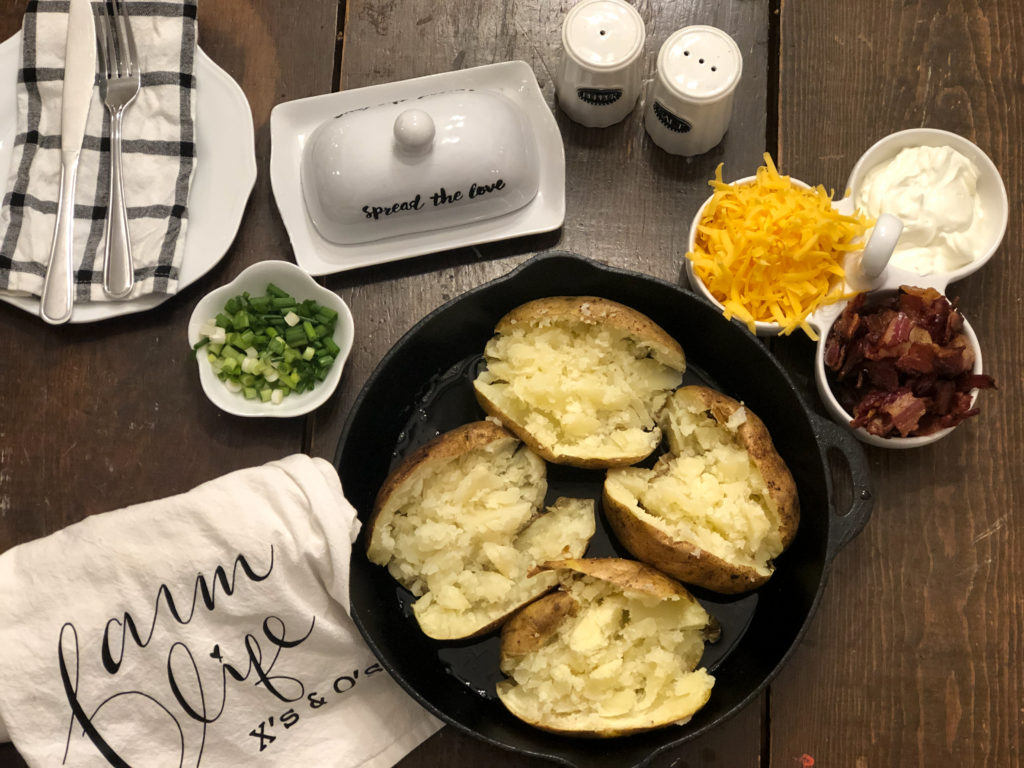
point(485, 135)
point(418, 164)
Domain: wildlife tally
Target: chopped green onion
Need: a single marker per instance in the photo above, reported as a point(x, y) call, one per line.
point(265, 347)
point(296, 337)
point(331, 347)
point(260, 304)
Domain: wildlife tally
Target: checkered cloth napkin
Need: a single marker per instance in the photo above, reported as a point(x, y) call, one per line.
point(158, 146)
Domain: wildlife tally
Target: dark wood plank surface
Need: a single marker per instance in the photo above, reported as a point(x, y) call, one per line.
point(913, 656)
point(911, 659)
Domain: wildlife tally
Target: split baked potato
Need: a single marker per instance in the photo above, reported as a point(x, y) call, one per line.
point(615, 651)
point(718, 507)
point(579, 379)
point(459, 524)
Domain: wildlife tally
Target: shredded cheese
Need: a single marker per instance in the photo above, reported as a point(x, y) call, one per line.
point(771, 251)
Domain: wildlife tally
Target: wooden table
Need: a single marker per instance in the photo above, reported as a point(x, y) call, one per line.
point(914, 655)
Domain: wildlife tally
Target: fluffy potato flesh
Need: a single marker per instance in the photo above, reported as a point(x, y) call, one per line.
point(462, 535)
point(707, 490)
point(577, 389)
point(623, 661)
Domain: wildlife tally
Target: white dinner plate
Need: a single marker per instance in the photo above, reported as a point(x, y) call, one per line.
point(292, 122)
point(223, 180)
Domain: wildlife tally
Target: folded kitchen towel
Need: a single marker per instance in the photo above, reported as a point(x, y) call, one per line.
point(208, 629)
point(158, 154)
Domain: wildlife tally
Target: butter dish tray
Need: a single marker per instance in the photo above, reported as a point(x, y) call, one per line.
point(293, 130)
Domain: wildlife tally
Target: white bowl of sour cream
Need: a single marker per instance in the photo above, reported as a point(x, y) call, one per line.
point(947, 193)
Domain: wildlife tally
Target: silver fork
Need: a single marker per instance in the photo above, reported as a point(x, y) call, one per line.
point(118, 88)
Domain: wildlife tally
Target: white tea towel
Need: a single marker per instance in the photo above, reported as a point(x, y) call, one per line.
point(158, 154)
point(208, 629)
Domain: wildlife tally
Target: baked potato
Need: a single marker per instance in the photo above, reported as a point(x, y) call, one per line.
point(717, 507)
point(459, 524)
point(579, 379)
point(613, 652)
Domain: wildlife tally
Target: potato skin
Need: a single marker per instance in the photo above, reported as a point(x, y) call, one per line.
point(626, 575)
point(680, 559)
point(456, 442)
point(595, 311)
point(493, 409)
point(755, 437)
point(531, 627)
point(684, 560)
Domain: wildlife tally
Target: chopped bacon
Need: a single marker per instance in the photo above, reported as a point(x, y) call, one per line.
point(902, 364)
point(897, 330)
point(918, 358)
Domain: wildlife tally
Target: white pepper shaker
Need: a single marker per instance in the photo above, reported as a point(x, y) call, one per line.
point(599, 75)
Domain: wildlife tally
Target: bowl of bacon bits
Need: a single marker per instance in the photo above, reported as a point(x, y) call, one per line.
point(902, 367)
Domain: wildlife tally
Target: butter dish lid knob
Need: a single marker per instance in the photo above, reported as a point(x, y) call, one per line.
point(414, 131)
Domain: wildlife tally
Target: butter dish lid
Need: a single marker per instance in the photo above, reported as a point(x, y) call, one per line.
point(294, 123)
point(424, 163)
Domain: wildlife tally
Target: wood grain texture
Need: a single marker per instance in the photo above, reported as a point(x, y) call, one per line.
point(912, 659)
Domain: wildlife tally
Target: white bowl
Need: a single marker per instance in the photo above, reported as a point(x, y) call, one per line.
point(760, 328)
point(840, 415)
point(990, 188)
point(299, 284)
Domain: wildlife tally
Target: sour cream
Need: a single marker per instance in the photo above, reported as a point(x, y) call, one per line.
point(933, 191)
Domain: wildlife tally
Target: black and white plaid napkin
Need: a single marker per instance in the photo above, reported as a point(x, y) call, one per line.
point(158, 154)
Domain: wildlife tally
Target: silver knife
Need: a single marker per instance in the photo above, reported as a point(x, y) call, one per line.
point(58, 296)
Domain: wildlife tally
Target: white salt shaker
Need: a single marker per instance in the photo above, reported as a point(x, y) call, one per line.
point(599, 76)
point(690, 103)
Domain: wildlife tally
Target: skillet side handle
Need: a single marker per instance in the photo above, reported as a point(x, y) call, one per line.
point(845, 525)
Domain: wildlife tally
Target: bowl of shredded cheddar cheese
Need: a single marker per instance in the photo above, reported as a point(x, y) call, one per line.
point(771, 250)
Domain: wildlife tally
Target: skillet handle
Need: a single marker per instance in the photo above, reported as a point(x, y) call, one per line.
point(845, 525)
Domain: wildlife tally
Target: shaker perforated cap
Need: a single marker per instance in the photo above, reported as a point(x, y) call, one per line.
point(700, 63)
point(603, 34)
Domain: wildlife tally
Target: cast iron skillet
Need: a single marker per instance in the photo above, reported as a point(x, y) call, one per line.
point(422, 387)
